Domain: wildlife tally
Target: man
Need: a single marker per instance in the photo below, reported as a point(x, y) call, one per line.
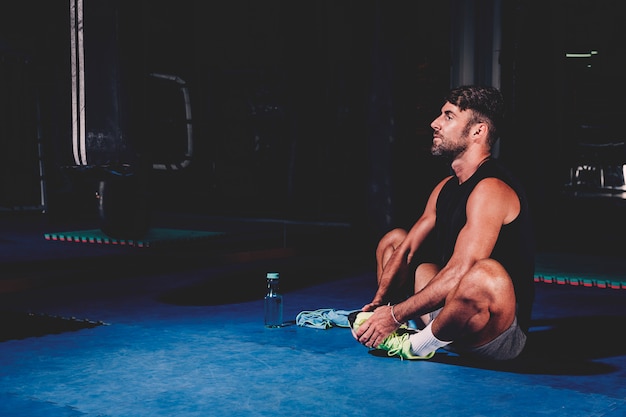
point(465, 270)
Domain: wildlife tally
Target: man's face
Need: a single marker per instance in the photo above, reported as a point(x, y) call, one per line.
point(450, 131)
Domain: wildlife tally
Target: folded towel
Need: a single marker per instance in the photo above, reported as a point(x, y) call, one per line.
point(324, 318)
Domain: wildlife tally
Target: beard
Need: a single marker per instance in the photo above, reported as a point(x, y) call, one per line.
point(449, 149)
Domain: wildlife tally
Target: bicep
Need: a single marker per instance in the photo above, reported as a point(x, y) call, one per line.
point(491, 205)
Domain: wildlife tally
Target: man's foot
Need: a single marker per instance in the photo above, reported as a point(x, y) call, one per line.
point(396, 344)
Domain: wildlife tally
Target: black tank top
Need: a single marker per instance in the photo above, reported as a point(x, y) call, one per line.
point(514, 248)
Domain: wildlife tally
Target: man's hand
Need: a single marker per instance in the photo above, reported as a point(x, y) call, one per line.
point(370, 306)
point(380, 325)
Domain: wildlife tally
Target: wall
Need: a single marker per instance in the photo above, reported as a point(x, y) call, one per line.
point(322, 112)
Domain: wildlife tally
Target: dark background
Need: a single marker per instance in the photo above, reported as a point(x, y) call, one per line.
point(311, 111)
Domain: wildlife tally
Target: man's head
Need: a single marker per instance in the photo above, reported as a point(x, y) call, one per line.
point(485, 103)
point(470, 114)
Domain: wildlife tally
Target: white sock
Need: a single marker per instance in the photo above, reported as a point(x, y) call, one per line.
point(424, 342)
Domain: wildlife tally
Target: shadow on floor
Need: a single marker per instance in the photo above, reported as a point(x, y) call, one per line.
point(246, 285)
point(565, 346)
point(20, 325)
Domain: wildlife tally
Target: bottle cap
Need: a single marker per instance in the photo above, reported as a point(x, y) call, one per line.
point(272, 275)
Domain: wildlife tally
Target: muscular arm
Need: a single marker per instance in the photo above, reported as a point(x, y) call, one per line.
point(491, 205)
point(402, 255)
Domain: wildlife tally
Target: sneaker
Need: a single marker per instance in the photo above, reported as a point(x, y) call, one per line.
point(396, 344)
point(356, 318)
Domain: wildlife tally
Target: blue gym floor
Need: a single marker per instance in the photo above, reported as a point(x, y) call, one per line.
point(180, 333)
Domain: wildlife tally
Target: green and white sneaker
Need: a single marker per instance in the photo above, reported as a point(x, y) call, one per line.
point(397, 344)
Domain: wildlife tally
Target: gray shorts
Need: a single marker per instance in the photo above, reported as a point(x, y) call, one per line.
point(504, 347)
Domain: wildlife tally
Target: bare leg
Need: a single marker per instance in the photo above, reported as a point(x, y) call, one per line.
point(423, 275)
point(386, 247)
point(386, 289)
point(480, 308)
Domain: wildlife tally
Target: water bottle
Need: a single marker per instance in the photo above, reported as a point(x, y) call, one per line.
point(273, 302)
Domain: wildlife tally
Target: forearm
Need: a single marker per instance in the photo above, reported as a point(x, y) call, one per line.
point(432, 296)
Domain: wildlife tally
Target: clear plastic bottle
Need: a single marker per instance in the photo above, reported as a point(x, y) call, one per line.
point(273, 301)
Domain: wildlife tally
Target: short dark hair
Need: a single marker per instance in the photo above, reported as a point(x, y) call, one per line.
point(486, 103)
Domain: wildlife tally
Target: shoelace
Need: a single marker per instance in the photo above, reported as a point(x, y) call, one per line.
point(394, 343)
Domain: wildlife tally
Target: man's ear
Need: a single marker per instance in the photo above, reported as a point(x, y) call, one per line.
point(480, 130)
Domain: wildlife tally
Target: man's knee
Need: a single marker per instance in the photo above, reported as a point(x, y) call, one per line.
point(394, 236)
point(391, 240)
point(487, 276)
